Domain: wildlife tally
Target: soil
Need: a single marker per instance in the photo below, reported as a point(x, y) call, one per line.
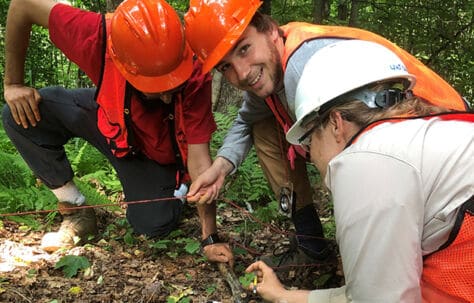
point(128, 269)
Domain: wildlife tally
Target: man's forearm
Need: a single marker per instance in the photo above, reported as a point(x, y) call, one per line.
point(207, 218)
point(22, 14)
point(223, 165)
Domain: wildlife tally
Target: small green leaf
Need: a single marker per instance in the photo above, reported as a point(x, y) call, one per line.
point(128, 238)
point(161, 244)
point(192, 247)
point(321, 281)
point(31, 273)
point(211, 289)
point(175, 233)
point(72, 264)
point(247, 279)
point(24, 228)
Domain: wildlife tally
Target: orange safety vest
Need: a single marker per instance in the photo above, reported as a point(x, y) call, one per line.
point(429, 85)
point(448, 273)
point(114, 114)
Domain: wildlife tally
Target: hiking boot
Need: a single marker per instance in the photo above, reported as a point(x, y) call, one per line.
point(294, 256)
point(76, 226)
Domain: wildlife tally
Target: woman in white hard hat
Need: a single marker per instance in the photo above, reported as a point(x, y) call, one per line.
point(401, 174)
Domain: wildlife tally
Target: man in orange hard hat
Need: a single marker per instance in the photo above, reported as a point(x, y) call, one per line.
point(265, 60)
point(150, 114)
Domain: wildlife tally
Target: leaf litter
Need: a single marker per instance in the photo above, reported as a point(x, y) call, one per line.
point(136, 272)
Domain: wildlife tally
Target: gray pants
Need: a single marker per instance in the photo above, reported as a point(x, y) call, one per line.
point(69, 113)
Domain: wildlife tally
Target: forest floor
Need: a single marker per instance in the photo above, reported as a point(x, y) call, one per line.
point(136, 269)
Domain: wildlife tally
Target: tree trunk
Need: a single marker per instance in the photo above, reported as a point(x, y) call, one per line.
point(320, 11)
point(342, 10)
point(112, 5)
point(216, 89)
point(353, 20)
point(266, 7)
point(224, 94)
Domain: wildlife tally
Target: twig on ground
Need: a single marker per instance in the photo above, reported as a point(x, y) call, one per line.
point(19, 293)
point(237, 292)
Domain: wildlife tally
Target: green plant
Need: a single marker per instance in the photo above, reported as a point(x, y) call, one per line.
point(211, 289)
point(191, 246)
point(181, 297)
point(72, 264)
point(172, 299)
point(329, 227)
point(247, 279)
point(20, 191)
point(160, 244)
point(14, 173)
point(175, 243)
point(31, 273)
point(249, 183)
point(322, 280)
point(128, 238)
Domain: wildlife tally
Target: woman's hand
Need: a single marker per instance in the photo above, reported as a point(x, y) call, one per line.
point(268, 286)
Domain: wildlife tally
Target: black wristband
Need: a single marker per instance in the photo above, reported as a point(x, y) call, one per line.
point(211, 239)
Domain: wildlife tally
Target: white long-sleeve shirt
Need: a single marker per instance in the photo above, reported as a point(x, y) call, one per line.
point(396, 193)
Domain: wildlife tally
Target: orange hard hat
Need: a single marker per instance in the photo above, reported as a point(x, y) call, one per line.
point(147, 45)
point(212, 27)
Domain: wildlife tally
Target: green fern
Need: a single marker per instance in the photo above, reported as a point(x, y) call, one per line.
point(93, 197)
point(5, 143)
point(249, 183)
point(14, 173)
point(85, 158)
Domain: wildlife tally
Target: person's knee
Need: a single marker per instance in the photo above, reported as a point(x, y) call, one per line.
point(48, 93)
point(52, 92)
point(9, 124)
point(155, 219)
point(60, 93)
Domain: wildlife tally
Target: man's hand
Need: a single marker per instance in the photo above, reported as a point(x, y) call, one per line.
point(206, 187)
point(219, 252)
point(22, 15)
point(23, 102)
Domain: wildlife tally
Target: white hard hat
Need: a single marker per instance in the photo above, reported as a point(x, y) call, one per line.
point(338, 69)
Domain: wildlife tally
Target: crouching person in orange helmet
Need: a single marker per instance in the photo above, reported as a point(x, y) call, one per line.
point(401, 174)
point(149, 115)
point(256, 55)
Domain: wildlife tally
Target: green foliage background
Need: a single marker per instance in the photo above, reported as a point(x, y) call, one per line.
point(440, 33)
